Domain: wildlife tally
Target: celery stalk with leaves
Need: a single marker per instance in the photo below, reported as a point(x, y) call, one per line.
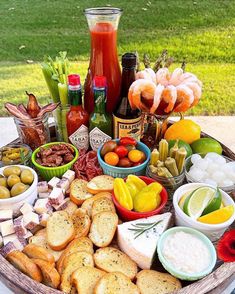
point(55, 73)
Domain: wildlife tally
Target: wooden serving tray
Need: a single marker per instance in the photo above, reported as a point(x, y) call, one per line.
point(214, 283)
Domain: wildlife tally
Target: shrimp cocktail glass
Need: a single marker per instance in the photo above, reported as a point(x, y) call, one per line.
point(103, 24)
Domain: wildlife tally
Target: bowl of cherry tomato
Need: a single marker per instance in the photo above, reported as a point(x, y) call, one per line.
point(121, 157)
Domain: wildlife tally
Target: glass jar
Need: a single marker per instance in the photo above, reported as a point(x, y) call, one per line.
point(33, 131)
point(13, 154)
point(153, 128)
point(103, 24)
point(59, 115)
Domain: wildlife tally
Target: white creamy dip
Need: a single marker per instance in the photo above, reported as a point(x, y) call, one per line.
point(186, 253)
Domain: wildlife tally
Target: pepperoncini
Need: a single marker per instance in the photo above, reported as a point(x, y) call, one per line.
point(123, 194)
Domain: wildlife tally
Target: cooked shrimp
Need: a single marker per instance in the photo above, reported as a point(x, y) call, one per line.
point(163, 76)
point(169, 96)
point(188, 77)
point(197, 92)
point(157, 98)
point(175, 77)
point(184, 99)
point(141, 88)
point(147, 74)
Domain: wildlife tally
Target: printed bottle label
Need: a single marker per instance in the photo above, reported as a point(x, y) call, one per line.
point(80, 138)
point(127, 127)
point(98, 138)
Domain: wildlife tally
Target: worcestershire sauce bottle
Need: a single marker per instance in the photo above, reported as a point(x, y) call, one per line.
point(127, 122)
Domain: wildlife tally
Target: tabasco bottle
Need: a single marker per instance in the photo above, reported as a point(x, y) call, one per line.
point(100, 124)
point(127, 122)
point(77, 119)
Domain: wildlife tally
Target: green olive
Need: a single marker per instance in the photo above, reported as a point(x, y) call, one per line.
point(3, 182)
point(27, 177)
point(4, 193)
point(12, 180)
point(18, 189)
point(11, 170)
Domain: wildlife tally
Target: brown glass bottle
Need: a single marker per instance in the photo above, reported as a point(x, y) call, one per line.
point(127, 122)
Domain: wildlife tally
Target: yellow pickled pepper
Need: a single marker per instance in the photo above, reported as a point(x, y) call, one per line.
point(122, 194)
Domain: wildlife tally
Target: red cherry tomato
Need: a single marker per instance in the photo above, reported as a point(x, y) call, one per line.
point(128, 141)
point(136, 163)
point(121, 151)
point(124, 162)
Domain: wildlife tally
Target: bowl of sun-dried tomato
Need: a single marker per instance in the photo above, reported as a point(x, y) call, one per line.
point(54, 159)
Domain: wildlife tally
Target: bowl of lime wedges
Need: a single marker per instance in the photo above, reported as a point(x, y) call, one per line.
point(205, 208)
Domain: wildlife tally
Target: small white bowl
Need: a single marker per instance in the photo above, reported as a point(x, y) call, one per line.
point(28, 196)
point(212, 231)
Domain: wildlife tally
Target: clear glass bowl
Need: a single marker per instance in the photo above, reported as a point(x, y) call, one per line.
point(190, 179)
point(171, 184)
point(22, 155)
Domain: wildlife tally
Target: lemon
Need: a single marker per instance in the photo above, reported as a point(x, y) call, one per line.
point(182, 200)
point(218, 216)
point(185, 130)
point(197, 201)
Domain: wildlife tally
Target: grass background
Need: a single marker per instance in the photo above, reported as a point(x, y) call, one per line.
point(202, 31)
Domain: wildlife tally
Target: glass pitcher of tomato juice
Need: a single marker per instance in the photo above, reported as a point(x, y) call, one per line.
point(103, 25)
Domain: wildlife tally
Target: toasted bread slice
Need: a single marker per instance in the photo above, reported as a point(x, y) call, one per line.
point(42, 241)
point(152, 282)
point(41, 232)
point(117, 283)
point(99, 184)
point(102, 204)
point(111, 259)
point(87, 204)
point(71, 207)
point(85, 279)
point(38, 252)
point(25, 265)
point(50, 275)
point(103, 228)
point(77, 245)
point(81, 222)
point(78, 191)
point(60, 230)
point(71, 263)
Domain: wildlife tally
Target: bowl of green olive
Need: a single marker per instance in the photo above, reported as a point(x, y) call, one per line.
point(13, 154)
point(18, 184)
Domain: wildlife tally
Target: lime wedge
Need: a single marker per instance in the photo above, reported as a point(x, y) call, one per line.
point(197, 201)
point(214, 204)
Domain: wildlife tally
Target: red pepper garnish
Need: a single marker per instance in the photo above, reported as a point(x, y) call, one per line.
point(226, 247)
point(128, 141)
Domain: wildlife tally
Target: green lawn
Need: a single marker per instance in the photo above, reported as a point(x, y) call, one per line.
point(202, 31)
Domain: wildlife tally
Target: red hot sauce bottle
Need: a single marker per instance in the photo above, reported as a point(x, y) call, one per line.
point(77, 118)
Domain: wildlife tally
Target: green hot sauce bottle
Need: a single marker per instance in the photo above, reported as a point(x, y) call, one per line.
point(100, 124)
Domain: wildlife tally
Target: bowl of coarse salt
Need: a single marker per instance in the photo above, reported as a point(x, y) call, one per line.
point(186, 253)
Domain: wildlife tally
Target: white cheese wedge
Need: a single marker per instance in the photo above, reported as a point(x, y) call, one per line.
point(6, 214)
point(70, 175)
point(42, 187)
point(42, 206)
point(31, 220)
point(26, 207)
point(53, 182)
point(142, 248)
point(7, 228)
point(56, 197)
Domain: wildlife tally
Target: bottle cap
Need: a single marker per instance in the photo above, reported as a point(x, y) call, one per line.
point(74, 80)
point(99, 82)
point(129, 60)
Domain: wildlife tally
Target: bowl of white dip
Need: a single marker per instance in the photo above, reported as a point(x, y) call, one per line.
point(212, 231)
point(186, 253)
